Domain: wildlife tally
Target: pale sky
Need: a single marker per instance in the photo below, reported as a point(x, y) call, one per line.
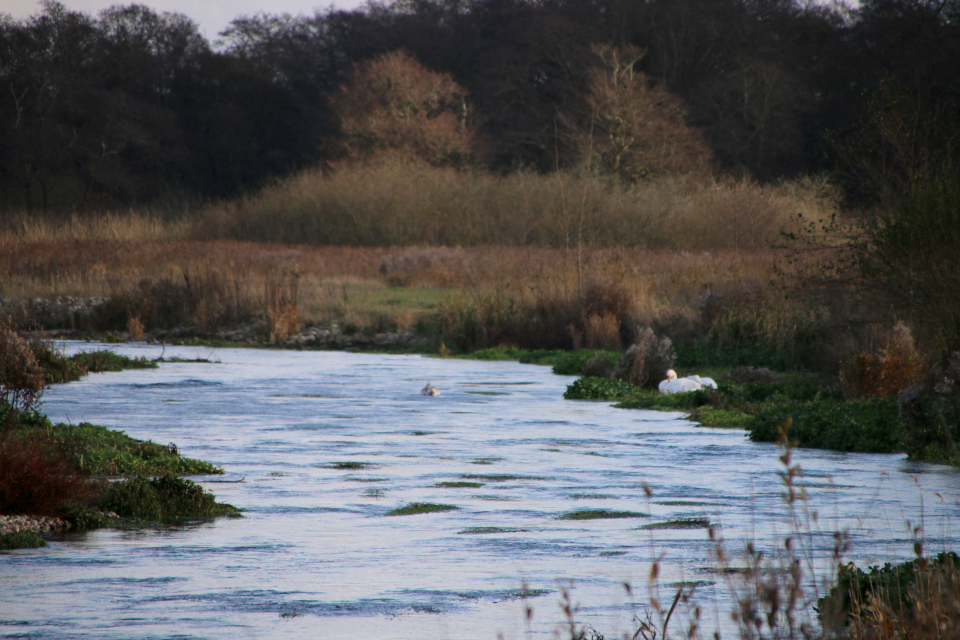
point(213, 16)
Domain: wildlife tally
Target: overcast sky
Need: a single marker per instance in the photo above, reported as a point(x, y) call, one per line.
point(212, 15)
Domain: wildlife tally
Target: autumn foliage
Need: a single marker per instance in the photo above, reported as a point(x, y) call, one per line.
point(395, 104)
point(637, 128)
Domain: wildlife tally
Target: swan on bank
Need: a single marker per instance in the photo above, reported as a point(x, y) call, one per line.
point(430, 390)
point(673, 384)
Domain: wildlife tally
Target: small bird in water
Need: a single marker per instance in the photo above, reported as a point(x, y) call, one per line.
point(430, 390)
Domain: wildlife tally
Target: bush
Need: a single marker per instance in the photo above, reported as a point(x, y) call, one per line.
point(916, 599)
point(646, 362)
point(166, 497)
point(867, 426)
point(36, 479)
point(21, 379)
point(886, 373)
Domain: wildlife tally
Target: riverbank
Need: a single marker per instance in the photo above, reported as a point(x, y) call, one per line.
point(63, 476)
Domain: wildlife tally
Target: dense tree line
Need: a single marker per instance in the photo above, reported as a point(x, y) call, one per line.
point(134, 106)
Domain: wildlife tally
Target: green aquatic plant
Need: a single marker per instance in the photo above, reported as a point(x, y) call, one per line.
point(869, 426)
point(457, 485)
point(415, 508)
point(163, 498)
point(487, 530)
point(600, 514)
point(21, 540)
point(350, 465)
point(679, 523)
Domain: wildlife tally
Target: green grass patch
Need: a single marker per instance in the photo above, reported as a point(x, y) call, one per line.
point(679, 523)
point(475, 531)
point(722, 418)
point(21, 540)
point(867, 426)
point(570, 363)
point(368, 479)
point(161, 499)
point(600, 514)
point(59, 369)
point(101, 451)
point(415, 508)
point(600, 389)
point(612, 554)
point(486, 460)
point(458, 485)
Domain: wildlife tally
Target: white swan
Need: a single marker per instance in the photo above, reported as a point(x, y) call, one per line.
point(430, 390)
point(673, 384)
point(708, 383)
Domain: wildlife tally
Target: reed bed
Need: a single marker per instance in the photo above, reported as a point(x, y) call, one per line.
point(390, 202)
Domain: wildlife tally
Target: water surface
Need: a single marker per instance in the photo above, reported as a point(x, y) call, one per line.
point(319, 446)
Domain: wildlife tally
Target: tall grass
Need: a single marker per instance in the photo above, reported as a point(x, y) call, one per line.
point(391, 202)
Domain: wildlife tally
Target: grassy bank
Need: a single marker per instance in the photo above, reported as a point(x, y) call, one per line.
point(85, 474)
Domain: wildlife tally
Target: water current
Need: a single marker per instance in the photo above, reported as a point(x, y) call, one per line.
point(319, 446)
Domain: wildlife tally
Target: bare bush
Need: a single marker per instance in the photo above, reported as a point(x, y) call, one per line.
point(646, 362)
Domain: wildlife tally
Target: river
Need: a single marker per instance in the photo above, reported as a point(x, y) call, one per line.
point(319, 446)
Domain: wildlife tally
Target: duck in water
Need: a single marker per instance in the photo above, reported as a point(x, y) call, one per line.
point(430, 390)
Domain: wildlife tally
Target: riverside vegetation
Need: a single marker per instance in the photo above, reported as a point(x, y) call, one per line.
point(66, 472)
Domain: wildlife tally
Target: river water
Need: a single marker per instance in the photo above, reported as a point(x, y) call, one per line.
point(319, 446)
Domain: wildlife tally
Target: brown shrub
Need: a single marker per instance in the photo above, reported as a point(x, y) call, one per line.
point(887, 372)
point(646, 362)
point(35, 478)
point(601, 331)
point(21, 379)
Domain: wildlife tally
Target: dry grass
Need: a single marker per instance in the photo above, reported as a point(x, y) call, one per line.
point(215, 283)
point(387, 202)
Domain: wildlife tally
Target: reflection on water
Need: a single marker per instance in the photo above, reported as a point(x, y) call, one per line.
point(319, 446)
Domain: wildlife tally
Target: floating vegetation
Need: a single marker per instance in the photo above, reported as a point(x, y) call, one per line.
point(374, 493)
point(593, 496)
point(415, 508)
point(687, 503)
point(278, 474)
point(457, 485)
point(610, 554)
point(692, 584)
point(290, 614)
point(355, 479)
point(425, 608)
point(299, 395)
point(526, 592)
point(486, 460)
point(423, 433)
point(349, 465)
point(499, 478)
point(21, 540)
point(600, 514)
point(473, 531)
point(679, 523)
